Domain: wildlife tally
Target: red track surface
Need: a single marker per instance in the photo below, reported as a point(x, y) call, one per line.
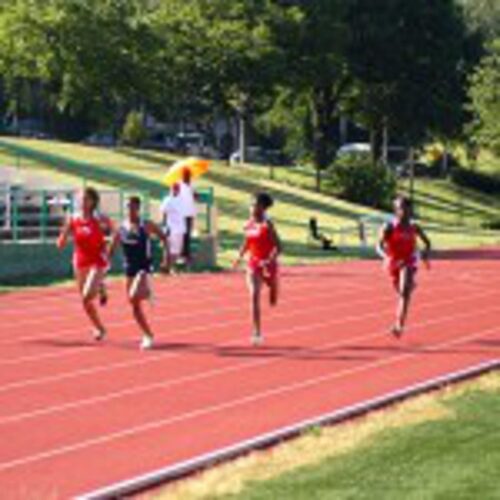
point(75, 416)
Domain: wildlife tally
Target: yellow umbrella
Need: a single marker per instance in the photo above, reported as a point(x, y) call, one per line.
point(197, 167)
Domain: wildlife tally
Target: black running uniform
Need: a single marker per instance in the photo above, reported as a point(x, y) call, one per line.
point(136, 246)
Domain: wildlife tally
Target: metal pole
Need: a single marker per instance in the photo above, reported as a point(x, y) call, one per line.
point(44, 217)
point(412, 178)
point(385, 144)
point(8, 207)
point(242, 138)
point(15, 216)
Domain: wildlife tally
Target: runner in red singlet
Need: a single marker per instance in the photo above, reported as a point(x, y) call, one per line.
point(398, 247)
point(90, 256)
point(263, 247)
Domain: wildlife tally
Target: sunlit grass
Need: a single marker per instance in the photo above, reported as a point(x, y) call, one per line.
point(295, 205)
point(442, 445)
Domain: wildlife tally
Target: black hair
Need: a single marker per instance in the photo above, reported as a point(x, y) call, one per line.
point(264, 200)
point(135, 200)
point(405, 202)
point(92, 193)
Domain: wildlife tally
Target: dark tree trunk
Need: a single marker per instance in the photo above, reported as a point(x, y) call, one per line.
point(377, 141)
point(324, 107)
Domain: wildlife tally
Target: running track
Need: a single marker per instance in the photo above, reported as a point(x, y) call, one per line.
point(76, 416)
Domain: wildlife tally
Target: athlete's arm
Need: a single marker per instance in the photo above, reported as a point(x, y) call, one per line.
point(243, 250)
point(154, 229)
point(107, 225)
point(278, 247)
point(425, 240)
point(381, 245)
point(64, 234)
point(115, 240)
point(109, 228)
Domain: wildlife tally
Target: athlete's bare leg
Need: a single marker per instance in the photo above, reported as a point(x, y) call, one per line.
point(89, 282)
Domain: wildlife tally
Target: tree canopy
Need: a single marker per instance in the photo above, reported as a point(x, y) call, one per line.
point(293, 64)
point(485, 98)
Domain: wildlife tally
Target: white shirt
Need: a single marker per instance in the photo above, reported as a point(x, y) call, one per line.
point(173, 211)
point(186, 194)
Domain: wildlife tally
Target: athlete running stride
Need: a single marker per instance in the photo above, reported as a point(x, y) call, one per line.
point(398, 247)
point(88, 230)
point(263, 246)
point(134, 236)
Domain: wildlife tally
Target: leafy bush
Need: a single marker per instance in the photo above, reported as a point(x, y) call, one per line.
point(492, 224)
point(360, 181)
point(133, 132)
point(486, 183)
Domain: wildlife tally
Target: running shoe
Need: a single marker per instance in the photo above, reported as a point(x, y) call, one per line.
point(99, 335)
point(397, 331)
point(147, 343)
point(257, 339)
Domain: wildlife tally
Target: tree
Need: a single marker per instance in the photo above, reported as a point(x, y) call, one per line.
point(313, 36)
point(90, 56)
point(220, 52)
point(408, 60)
point(483, 17)
point(485, 98)
point(133, 132)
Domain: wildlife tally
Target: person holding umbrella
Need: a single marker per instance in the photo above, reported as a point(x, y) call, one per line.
point(174, 223)
point(188, 198)
point(182, 173)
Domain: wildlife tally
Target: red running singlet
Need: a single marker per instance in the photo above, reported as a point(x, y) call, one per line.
point(401, 242)
point(259, 242)
point(89, 242)
point(401, 249)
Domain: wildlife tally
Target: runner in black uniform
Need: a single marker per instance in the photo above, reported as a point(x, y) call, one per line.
point(134, 236)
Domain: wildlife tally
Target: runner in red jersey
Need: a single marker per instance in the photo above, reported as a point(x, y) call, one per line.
point(263, 247)
point(90, 257)
point(398, 246)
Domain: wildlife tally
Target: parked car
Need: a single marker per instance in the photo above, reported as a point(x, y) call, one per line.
point(100, 139)
point(262, 156)
point(161, 141)
point(397, 156)
point(354, 149)
point(27, 127)
point(190, 143)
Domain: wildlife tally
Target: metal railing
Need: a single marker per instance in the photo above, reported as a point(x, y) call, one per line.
point(35, 212)
point(38, 214)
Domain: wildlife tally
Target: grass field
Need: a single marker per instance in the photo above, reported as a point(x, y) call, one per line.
point(487, 162)
point(442, 446)
point(296, 201)
point(144, 170)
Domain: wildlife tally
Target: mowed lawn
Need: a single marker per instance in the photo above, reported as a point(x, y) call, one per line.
point(443, 446)
point(296, 202)
point(143, 170)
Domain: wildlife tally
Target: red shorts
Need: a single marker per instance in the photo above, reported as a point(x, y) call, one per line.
point(397, 266)
point(267, 270)
point(81, 262)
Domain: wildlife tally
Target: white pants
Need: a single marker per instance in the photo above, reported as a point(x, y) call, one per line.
point(176, 242)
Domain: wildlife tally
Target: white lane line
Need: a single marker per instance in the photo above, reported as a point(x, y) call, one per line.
point(212, 458)
point(224, 282)
point(159, 319)
point(228, 369)
point(212, 309)
point(277, 391)
point(167, 287)
point(167, 318)
point(161, 357)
